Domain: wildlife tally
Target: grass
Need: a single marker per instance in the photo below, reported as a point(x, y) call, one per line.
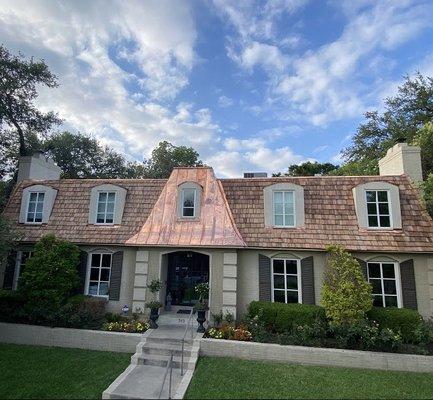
point(36, 372)
point(228, 378)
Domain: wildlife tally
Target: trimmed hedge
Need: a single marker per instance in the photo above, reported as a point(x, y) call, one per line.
point(404, 320)
point(280, 317)
point(11, 303)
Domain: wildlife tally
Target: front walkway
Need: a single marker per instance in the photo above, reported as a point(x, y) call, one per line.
point(143, 379)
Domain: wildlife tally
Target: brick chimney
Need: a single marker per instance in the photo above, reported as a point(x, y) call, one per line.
point(402, 159)
point(37, 167)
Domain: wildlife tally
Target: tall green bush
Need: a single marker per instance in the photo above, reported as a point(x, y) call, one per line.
point(346, 295)
point(50, 275)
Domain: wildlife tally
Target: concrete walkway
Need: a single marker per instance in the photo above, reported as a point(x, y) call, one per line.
point(143, 379)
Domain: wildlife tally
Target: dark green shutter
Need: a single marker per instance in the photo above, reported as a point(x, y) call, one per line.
point(82, 271)
point(307, 275)
point(363, 265)
point(408, 289)
point(264, 278)
point(116, 276)
point(11, 262)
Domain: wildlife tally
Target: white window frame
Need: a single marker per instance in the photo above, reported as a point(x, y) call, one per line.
point(388, 195)
point(298, 275)
point(38, 193)
point(182, 202)
point(107, 192)
point(18, 265)
point(397, 281)
point(284, 212)
point(89, 268)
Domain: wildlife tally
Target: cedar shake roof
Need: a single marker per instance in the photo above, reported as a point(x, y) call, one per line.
point(232, 207)
point(213, 227)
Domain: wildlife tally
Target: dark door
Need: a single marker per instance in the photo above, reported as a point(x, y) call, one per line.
point(185, 270)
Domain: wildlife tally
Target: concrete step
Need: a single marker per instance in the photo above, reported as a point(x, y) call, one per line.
point(157, 341)
point(158, 360)
point(165, 349)
point(175, 319)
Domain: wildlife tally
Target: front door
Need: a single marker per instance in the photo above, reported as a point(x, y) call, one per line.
point(185, 270)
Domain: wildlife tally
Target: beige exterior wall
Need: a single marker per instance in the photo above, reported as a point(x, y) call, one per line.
point(127, 283)
point(248, 275)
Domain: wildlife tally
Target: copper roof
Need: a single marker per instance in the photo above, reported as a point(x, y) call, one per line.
point(213, 227)
point(233, 215)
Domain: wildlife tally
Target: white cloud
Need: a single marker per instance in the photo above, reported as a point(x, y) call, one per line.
point(261, 54)
point(224, 101)
point(323, 85)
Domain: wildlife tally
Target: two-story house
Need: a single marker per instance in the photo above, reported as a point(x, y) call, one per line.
point(250, 238)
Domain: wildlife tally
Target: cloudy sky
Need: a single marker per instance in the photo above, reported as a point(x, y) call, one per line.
point(253, 86)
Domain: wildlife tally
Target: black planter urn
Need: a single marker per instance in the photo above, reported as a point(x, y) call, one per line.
point(201, 318)
point(153, 318)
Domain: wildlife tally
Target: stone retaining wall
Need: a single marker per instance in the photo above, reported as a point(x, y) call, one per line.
point(316, 356)
point(66, 337)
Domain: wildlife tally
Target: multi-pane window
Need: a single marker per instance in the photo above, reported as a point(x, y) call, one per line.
point(105, 213)
point(189, 196)
point(285, 281)
point(25, 255)
point(284, 208)
point(99, 278)
point(36, 207)
point(383, 278)
point(378, 212)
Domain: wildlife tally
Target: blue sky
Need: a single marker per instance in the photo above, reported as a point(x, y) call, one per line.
point(253, 86)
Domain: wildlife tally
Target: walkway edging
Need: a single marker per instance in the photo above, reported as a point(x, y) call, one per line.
point(316, 355)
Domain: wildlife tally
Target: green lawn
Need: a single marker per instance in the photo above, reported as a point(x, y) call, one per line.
point(229, 378)
point(38, 372)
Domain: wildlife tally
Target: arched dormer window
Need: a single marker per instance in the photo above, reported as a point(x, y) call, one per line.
point(377, 205)
point(189, 199)
point(36, 204)
point(284, 205)
point(106, 205)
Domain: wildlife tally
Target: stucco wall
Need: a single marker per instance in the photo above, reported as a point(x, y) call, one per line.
point(248, 276)
point(127, 283)
point(156, 271)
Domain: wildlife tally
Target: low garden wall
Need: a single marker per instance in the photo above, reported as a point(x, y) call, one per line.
point(67, 337)
point(316, 356)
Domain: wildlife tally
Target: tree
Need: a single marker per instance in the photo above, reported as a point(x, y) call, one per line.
point(428, 194)
point(310, 169)
point(18, 81)
point(50, 275)
point(404, 115)
point(346, 296)
point(81, 156)
point(167, 156)
point(8, 238)
point(424, 139)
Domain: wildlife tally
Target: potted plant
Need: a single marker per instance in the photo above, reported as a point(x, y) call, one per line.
point(154, 305)
point(201, 307)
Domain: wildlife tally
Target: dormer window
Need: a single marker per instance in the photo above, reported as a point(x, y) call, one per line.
point(106, 202)
point(37, 204)
point(377, 205)
point(378, 209)
point(284, 205)
point(35, 207)
point(284, 208)
point(189, 196)
point(188, 200)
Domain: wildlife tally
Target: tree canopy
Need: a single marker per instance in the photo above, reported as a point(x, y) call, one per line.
point(309, 168)
point(404, 114)
point(18, 114)
point(166, 156)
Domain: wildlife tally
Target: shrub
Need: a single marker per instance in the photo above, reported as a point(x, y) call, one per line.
point(50, 276)
point(398, 319)
point(346, 296)
point(11, 303)
point(111, 317)
point(282, 317)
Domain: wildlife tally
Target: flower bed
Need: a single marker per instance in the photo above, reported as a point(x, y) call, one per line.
point(128, 326)
point(230, 333)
